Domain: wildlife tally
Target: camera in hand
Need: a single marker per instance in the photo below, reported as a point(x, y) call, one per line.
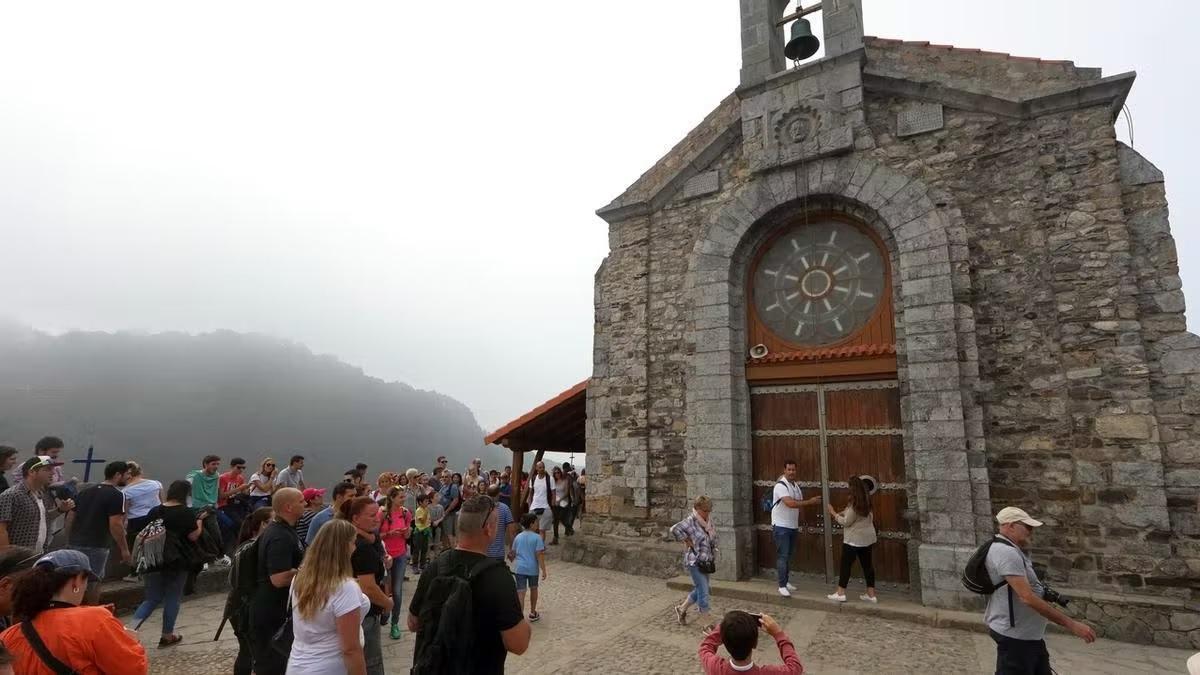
point(1051, 595)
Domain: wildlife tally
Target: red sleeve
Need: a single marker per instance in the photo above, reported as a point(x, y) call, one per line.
point(708, 653)
point(787, 652)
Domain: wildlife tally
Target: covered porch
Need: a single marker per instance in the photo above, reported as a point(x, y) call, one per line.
point(558, 425)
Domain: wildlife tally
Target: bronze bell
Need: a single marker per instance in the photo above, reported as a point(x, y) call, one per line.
point(803, 43)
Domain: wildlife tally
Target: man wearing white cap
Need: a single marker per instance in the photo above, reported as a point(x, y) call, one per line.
point(1016, 616)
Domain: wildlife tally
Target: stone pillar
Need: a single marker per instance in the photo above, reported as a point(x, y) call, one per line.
point(617, 449)
point(843, 26)
point(762, 40)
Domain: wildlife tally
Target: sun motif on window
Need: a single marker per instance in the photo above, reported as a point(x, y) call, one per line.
point(819, 283)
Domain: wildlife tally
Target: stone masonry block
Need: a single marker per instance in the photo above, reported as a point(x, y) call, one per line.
point(1137, 473)
point(1181, 362)
point(1125, 426)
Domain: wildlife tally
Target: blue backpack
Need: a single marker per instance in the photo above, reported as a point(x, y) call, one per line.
point(768, 501)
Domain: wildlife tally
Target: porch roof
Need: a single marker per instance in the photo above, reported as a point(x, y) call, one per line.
point(554, 426)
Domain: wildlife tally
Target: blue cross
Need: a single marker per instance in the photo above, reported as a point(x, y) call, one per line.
point(87, 469)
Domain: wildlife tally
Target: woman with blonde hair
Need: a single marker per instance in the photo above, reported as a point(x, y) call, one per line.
point(699, 558)
point(328, 607)
point(141, 495)
point(383, 485)
point(262, 484)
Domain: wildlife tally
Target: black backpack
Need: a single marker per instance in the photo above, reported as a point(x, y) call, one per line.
point(243, 579)
point(975, 576)
point(446, 640)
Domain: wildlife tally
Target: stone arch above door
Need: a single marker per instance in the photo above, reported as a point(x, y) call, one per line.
point(935, 344)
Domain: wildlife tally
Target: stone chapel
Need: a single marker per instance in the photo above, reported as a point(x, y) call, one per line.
point(931, 265)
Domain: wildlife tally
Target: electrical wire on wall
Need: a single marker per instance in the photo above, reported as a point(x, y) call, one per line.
point(1128, 122)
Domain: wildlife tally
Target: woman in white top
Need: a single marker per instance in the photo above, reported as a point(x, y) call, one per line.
point(858, 538)
point(328, 607)
point(141, 495)
point(262, 484)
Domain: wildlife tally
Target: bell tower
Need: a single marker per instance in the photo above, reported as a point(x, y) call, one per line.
point(763, 39)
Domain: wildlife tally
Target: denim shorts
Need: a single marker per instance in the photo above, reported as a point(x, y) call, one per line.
point(526, 580)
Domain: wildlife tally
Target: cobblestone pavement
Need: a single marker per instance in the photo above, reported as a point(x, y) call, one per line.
point(596, 621)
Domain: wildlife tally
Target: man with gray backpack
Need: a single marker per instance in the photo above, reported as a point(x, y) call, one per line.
point(465, 612)
point(1018, 607)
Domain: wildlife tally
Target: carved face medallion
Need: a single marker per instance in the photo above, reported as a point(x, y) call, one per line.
point(799, 128)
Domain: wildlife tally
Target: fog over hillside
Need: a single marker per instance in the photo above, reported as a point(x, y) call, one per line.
point(168, 399)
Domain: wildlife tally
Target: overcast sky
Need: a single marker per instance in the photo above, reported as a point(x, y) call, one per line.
point(411, 185)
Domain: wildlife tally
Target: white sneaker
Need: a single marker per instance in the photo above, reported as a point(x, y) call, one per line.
point(785, 592)
point(836, 598)
point(224, 561)
point(867, 598)
point(790, 587)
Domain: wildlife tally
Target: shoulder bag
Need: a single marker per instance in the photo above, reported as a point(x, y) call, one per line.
point(282, 640)
point(705, 566)
point(43, 652)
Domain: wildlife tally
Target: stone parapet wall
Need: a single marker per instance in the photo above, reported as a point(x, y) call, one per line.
point(1134, 618)
point(631, 555)
point(974, 70)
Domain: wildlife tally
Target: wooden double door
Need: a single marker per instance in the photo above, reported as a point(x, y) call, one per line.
point(832, 431)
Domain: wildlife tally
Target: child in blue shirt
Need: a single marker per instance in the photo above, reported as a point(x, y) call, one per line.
point(529, 551)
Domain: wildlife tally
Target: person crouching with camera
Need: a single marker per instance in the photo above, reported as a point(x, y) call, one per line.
point(1018, 611)
point(739, 633)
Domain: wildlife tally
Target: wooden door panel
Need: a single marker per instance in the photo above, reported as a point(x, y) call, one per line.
point(784, 410)
point(862, 409)
point(887, 507)
point(889, 557)
point(878, 456)
point(808, 558)
point(771, 452)
point(847, 454)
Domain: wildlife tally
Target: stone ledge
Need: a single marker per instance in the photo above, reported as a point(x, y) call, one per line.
point(893, 605)
point(125, 596)
point(642, 556)
point(1167, 622)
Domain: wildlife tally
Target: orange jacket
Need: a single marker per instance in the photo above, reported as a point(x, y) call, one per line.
point(88, 639)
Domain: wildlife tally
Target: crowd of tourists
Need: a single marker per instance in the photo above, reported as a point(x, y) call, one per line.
point(313, 586)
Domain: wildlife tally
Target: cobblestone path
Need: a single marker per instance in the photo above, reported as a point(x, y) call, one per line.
point(596, 621)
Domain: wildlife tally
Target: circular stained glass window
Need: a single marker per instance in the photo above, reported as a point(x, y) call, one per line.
point(818, 283)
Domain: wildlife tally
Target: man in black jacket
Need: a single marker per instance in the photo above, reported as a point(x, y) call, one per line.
point(279, 555)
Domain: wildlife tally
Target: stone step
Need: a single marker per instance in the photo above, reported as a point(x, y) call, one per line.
point(811, 595)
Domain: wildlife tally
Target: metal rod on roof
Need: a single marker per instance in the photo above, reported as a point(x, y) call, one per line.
point(799, 13)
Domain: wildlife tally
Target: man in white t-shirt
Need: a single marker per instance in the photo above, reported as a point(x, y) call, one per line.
point(786, 501)
point(541, 494)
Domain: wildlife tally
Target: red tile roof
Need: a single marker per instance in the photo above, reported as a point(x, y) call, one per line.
point(567, 396)
point(827, 353)
point(917, 43)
